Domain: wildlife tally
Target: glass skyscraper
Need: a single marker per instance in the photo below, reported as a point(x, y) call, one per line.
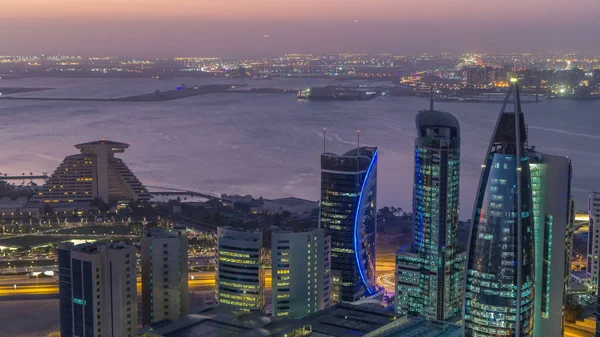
point(499, 290)
point(429, 276)
point(349, 216)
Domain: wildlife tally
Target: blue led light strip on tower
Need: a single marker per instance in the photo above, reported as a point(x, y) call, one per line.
point(362, 190)
point(422, 199)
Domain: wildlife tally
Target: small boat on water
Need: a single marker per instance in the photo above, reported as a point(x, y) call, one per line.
point(332, 93)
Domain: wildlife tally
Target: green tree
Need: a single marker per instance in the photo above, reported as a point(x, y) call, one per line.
point(101, 205)
point(48, 209)
point(573, 311)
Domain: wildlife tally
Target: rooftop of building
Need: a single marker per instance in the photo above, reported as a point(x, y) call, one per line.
point(93, 147)
point(367, 151)
point(349, 320)
point(341, 320)
point(94, 247)
point(355, 160)
point(580, 274)
point(293, 201)
point(220, 321)
point(421, 327)
point(287, 230)
point(364, 151)
point(157, 232)
point(240, 234)
point(435, 118)
point(102, 142)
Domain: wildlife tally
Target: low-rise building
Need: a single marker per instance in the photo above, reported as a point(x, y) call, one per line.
point(294, 206)
point(341, 320)
point(231, 200)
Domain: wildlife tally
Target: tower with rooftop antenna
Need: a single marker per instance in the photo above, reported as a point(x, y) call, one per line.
point(349, 215)
point(499, 287)
point(429, 273)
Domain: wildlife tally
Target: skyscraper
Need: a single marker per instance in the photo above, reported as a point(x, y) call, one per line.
point(349, 216)
point(553, 230)
point(593, 251)
point(240, 276)
point(94, 173)
point(97, 284)
point(164, 274)
point(429, 276)
point(300, 263)
point(500, 265)
point(598, 316)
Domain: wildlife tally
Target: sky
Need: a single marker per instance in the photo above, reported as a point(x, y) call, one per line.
point(239, 27)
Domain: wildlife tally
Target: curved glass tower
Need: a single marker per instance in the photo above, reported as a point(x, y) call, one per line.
point(349, 215)
point(500, 264)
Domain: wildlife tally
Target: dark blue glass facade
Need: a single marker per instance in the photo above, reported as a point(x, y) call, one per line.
point(78, 318)
point(88, 299)
point(500, 266)
point(65, 295)
point(76, 296)
point(349, 215)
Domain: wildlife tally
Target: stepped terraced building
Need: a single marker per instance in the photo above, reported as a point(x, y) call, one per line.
point(94, 173)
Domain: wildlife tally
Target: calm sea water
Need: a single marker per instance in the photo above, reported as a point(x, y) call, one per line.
point(267, 144)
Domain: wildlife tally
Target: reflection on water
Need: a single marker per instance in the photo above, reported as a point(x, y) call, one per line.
point(268, 144)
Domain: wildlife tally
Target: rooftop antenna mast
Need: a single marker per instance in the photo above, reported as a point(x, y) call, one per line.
point(517, 108)
point(431, 100)
point(357, 157)
point(324, 130)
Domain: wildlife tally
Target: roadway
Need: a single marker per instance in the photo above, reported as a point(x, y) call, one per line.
point(198, 281)
point(578, 330)
point(22, 285)
point(386, 267)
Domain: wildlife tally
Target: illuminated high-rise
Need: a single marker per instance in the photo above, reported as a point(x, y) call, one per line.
point(97, 290)
point(349, 216)
point(593, 247)
point(553, 230)
point(598, 316)
point(94, 173)
point(164, 274)
point(499, 290)
point(240, 276)
point(429, 275)
point(300, 263)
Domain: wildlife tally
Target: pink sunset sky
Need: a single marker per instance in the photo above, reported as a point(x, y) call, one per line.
point(238, 27)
